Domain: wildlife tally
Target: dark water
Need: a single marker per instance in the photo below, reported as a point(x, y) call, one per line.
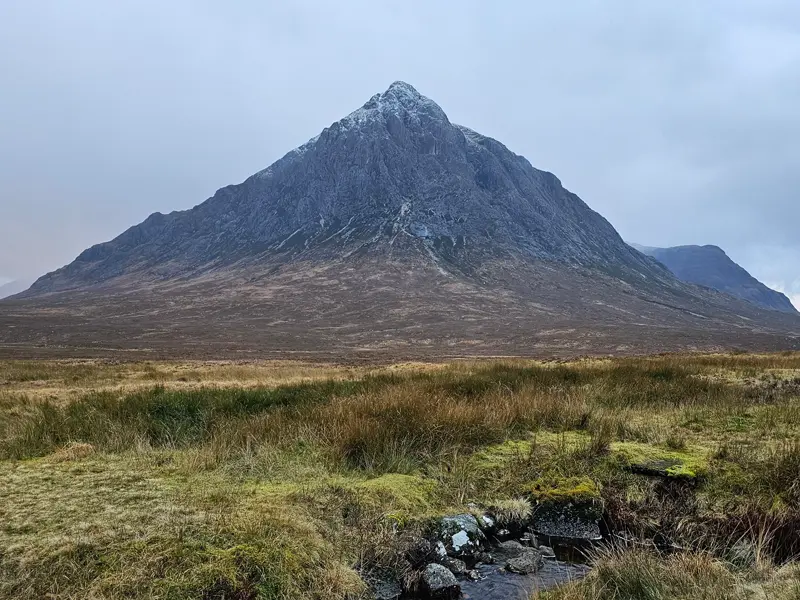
point(498, 584)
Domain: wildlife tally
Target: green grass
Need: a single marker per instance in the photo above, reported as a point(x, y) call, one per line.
point(159, 416)
point(287, 490)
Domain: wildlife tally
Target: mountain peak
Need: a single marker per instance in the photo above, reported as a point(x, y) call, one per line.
point(403, 96)
point(401, 87)
point(393, 176)
point(400, 100)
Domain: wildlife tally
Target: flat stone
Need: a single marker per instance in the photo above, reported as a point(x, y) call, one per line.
point(384, 585)
point(387, 590)
point(528, 562)
point(655, 468)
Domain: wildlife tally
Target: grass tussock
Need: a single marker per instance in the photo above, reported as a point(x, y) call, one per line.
point(73, 451)
point(237, 481)
point(640, 574)
point(511, 510)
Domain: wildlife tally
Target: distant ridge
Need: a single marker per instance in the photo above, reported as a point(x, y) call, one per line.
point(711, 267)
point(14, 287)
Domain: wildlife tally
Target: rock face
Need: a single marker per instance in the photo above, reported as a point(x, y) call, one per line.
point(394, 170)
point(711, 267)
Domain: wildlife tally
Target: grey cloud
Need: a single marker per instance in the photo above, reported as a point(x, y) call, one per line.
point(677, 122)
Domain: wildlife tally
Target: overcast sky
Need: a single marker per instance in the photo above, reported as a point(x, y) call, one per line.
point(679, 122)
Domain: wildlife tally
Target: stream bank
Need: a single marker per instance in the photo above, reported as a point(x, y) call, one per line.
point(490, 555)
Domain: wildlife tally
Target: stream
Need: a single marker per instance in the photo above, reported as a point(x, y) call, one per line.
point(498, 584)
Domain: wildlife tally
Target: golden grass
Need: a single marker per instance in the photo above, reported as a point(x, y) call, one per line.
point(72, 451)
point(638, 574)
point(65, 380)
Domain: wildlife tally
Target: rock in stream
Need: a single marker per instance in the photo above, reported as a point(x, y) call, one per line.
point(438, 582)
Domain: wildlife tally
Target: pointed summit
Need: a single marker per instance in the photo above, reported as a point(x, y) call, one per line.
point(403, 88)
point(400, 100)
point(405, 93)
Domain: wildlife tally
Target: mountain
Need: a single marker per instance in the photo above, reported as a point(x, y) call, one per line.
point(711, 267)
point(14, 287)
point(395, 167)
point(394, 231)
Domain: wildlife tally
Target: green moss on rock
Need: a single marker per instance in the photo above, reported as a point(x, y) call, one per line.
point(570, 489)
point(691, 463)
point(401, 493)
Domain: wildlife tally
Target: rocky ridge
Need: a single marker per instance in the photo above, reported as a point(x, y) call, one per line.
point(711, 267)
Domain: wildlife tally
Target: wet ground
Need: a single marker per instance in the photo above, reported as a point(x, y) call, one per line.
point(498, 584)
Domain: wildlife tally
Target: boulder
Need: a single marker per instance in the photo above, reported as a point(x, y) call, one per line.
point(528, 562)
point(419, 551)
point(461, 535)
point(455, 565)
point(510, 549)
point(574, 520)
point(438, 582)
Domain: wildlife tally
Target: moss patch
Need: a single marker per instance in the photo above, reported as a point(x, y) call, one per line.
point(499, 456)
point(689, 464)
point(408, 493)
point(570, 489)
